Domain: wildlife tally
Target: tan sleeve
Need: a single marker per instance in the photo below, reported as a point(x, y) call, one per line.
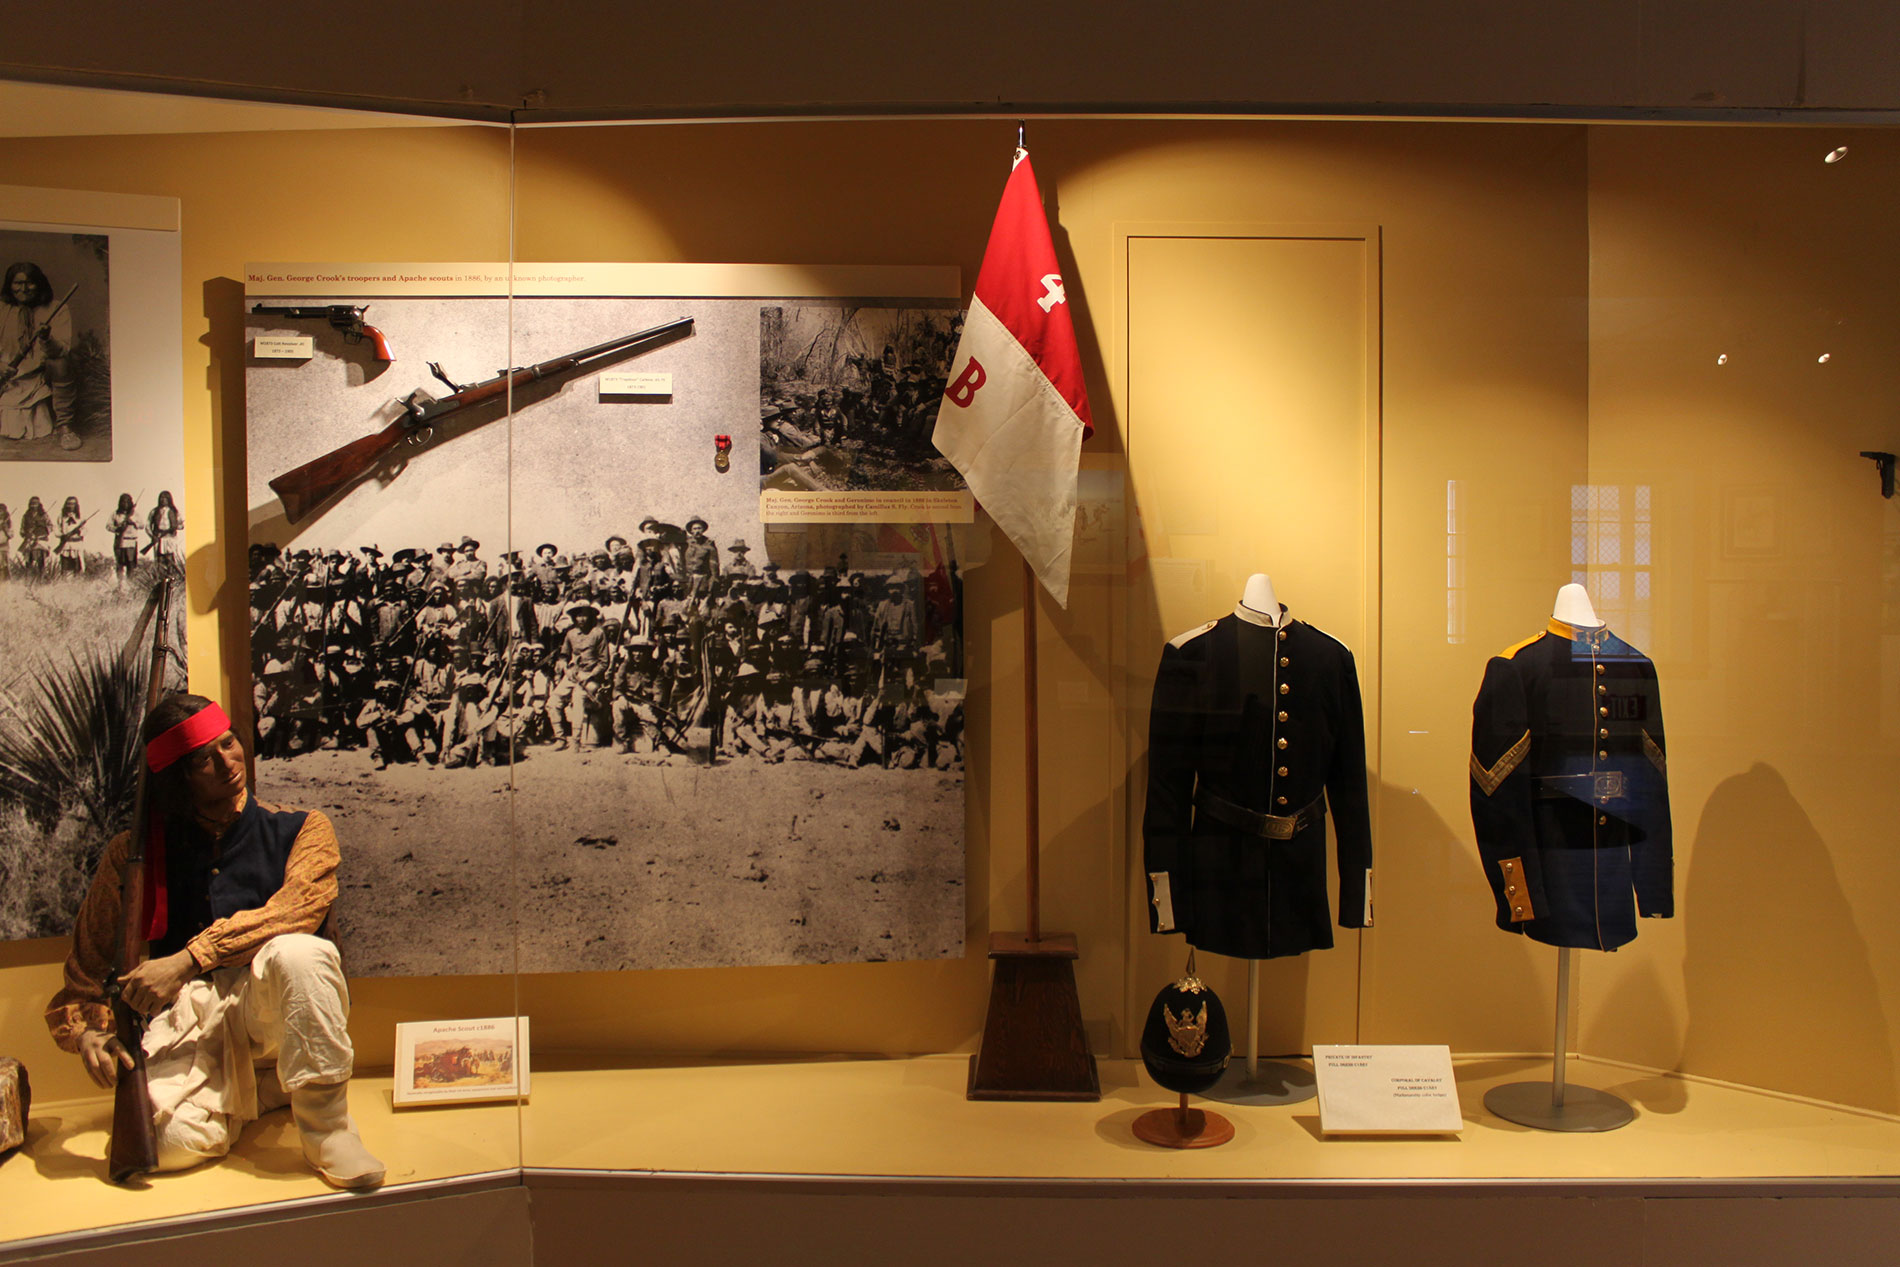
point(81, 1004)
point(308, 891)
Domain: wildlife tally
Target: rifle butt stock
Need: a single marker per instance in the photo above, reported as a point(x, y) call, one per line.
point(306, 487)
point(134, 1146)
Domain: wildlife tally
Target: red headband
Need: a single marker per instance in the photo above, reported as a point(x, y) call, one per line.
point(187, 736)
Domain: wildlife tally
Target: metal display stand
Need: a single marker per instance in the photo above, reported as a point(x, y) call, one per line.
point(1553, 1106)
point(1261, 1082)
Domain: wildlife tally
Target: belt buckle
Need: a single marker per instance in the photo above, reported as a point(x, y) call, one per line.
point(1609, 785)
point(1280, 826)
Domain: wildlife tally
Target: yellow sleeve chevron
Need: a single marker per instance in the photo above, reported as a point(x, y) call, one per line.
point(1490, 778)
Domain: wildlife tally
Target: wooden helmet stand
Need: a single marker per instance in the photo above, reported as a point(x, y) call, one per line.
point(1183, 1127)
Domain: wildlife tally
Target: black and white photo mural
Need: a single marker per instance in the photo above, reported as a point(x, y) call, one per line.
point(558, 680)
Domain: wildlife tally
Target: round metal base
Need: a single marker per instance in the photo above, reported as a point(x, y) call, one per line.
point(1275, 1082)
point(1583, 1109)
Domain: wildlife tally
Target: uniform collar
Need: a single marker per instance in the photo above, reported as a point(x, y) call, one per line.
point(1253, 617)
point(1577, 633)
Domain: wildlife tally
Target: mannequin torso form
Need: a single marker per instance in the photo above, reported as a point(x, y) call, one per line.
point(1259, 596)
point(1572, 607)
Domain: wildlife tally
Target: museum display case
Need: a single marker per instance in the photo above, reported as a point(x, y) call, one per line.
point(1421, 374)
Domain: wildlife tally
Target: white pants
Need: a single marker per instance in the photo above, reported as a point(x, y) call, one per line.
point(289, 1005)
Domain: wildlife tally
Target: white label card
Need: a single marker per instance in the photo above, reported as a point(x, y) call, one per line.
point(1386, 1090)
point(283, 347)
point(626, 383)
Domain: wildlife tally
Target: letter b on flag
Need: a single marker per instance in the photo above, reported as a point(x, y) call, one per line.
point(964, 390)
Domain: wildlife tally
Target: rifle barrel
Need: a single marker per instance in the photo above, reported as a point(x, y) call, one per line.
point(612, 345)
point(134, 1146)
point(27, 347)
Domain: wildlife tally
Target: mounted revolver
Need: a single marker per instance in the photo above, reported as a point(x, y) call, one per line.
point(347, 319)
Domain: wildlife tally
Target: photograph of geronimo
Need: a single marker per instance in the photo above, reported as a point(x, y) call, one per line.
point(55, 347)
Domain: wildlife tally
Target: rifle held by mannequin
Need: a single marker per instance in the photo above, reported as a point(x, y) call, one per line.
point(134, 1146)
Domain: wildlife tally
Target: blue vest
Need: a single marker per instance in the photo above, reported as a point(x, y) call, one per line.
point(208, 879)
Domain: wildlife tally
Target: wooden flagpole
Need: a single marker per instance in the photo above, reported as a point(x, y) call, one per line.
point(1032, 752)
point(1034, 1045)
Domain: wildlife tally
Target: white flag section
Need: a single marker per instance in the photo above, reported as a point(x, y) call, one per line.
point(1015, 412)
point(1020, 467)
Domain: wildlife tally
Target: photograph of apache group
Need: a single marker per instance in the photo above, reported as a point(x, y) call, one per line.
point(56, 544)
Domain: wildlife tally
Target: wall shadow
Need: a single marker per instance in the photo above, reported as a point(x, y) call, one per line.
point(1775, 965)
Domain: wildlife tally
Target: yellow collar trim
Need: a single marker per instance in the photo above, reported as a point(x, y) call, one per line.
point(1573, 632)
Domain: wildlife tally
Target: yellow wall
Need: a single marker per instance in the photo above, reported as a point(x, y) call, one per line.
point(1777, 631)
point(1498, 383)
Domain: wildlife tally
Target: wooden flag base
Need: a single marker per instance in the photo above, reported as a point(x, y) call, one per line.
point(1182, 1127)
point(1034, 1047)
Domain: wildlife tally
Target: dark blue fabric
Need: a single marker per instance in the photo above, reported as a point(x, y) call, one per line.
point(209, 879)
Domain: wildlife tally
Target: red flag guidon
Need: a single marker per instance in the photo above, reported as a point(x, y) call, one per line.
point(1015, 412)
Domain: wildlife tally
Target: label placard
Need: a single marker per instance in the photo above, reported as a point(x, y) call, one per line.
point(627, 383)
point(1386, 1090)
point(923, 506)
point(283, 347)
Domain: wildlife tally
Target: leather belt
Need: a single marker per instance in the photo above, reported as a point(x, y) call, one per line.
point(1254, 823)
point(1599, 788)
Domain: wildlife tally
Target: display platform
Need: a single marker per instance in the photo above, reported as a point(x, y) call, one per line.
point(53, 1187)
point(907, 1119)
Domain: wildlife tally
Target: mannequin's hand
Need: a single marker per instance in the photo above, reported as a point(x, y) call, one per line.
point(103, 1054)
point(156, 982)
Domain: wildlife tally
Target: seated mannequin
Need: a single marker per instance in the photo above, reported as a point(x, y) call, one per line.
point(245, 999)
